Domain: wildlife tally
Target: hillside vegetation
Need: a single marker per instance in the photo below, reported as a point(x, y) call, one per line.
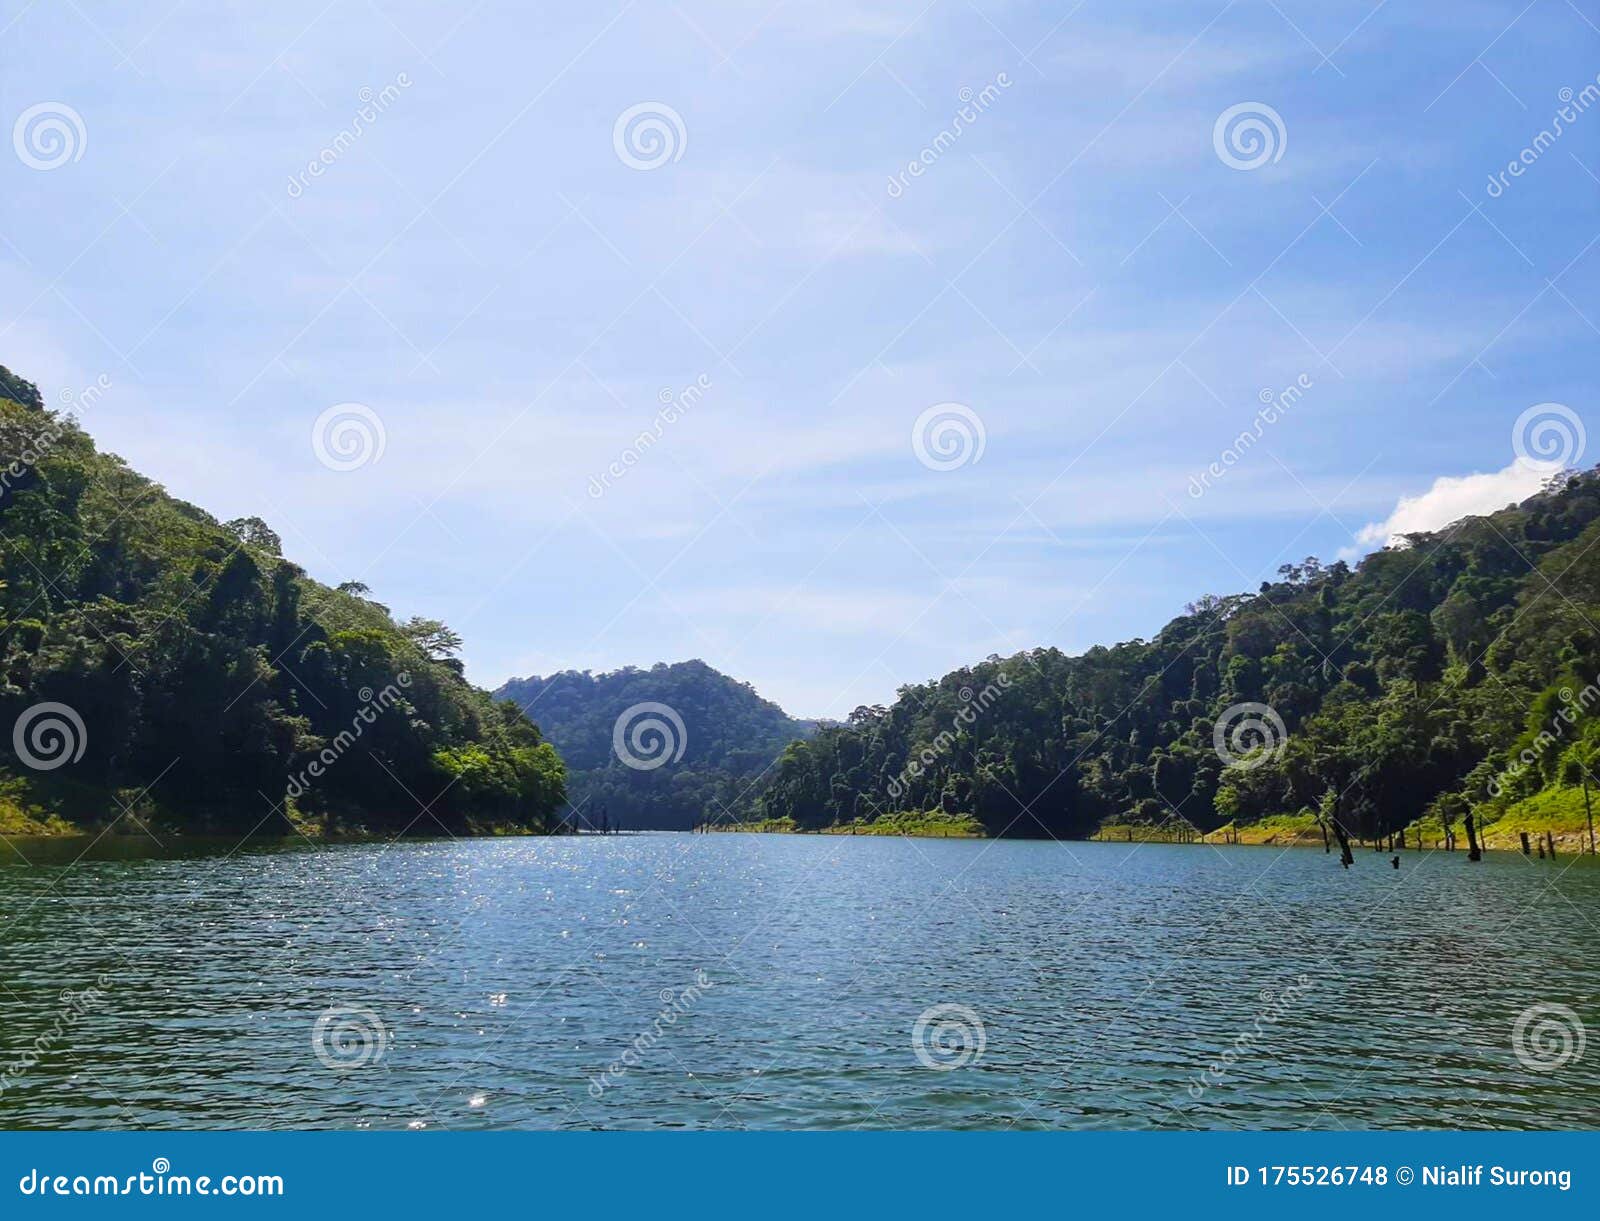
point(728, 737)
point(158, 666)
point(1453, 673)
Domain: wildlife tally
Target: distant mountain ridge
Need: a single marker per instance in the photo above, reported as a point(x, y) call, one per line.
point(660, 748)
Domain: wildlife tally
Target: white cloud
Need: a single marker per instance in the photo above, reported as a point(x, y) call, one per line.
point(1449, 500)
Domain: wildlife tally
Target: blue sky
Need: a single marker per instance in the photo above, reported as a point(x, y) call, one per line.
point(1079, 266)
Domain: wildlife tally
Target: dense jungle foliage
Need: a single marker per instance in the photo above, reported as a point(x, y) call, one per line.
point(1454, 672)
point(165, 668)
point(730, 736)
point(201, 682)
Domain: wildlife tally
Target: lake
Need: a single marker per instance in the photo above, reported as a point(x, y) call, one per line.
point(747, 981)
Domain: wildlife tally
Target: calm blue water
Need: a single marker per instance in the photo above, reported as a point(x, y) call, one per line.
point(777, 982)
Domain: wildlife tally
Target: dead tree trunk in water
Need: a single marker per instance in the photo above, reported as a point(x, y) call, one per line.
point(1588, 813)
point(1346, 858)
point(1474, 853)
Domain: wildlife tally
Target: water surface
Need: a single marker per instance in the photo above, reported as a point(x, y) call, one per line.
point(778, 981)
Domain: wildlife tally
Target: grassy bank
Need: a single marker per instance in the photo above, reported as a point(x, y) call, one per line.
point(928, 824)
point(17, 820)
point(923, 824)
point(1556, 812)
point(71, 809)
point(90, 813)
point(1277, 829)
point(770, 826)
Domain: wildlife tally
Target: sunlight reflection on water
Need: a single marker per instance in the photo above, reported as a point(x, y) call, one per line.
point(551, 983)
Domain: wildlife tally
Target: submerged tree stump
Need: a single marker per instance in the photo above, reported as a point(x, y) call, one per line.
point(1346, 857)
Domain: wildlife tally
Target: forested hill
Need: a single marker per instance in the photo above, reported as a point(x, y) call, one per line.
point(666, 747)
point(1449, 674)
point(160, 667)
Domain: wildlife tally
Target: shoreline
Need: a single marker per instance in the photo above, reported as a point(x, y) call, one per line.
point(1298, 831)
point(126, 829)
point(746, 829)
point(910, 824)
point(1504, 835)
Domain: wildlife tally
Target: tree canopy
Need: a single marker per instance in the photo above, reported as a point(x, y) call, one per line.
point(730, 737)
point(1402, 689)
point(218, 687)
